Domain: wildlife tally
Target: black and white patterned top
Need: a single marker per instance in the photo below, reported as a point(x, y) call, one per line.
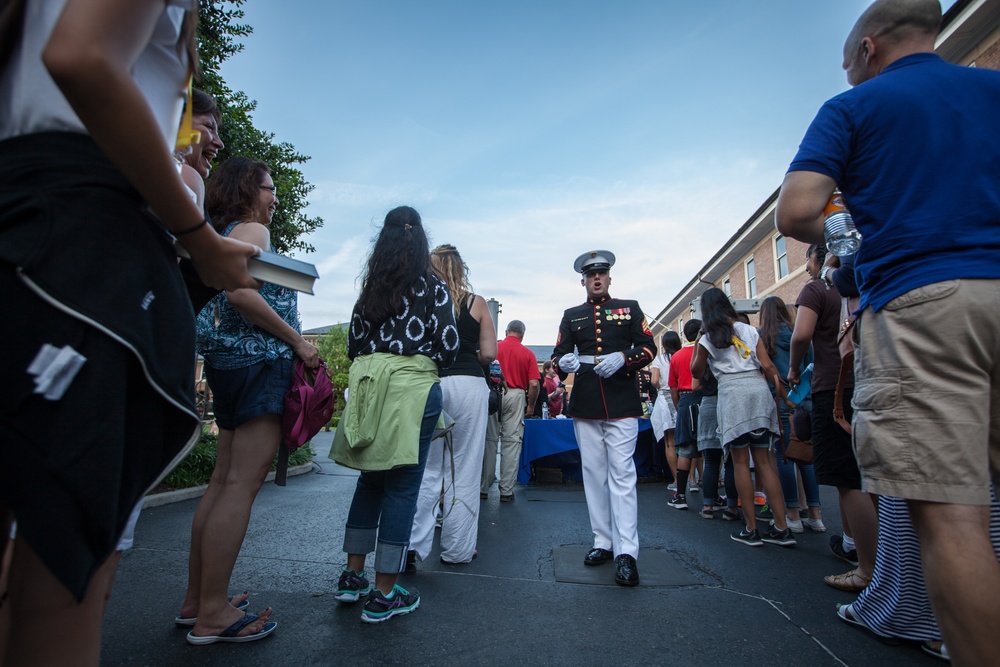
point(426, 326)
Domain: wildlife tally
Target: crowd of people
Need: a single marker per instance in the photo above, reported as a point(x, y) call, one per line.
point(926, 370)
point(92, 101)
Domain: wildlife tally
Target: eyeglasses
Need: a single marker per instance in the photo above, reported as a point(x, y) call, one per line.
point(273, 189)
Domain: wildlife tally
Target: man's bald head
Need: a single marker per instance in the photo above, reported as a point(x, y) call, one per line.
point(890, 24)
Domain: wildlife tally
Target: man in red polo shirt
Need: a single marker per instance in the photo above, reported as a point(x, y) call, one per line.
point(520, 369)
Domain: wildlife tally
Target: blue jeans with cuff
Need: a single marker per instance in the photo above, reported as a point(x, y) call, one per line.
point(386, 500)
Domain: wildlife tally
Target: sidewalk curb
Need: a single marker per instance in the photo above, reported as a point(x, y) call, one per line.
point(168, 497)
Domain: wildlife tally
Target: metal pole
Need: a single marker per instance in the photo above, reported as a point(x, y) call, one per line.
point(494, 307)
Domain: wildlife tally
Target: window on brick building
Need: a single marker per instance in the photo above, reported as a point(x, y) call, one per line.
point(680, 325)
point(751, 279)
point(781, 257)
point(727, 287)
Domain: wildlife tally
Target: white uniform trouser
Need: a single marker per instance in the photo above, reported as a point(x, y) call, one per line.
point(465, 401)
point(511, 436)
point(606, 449)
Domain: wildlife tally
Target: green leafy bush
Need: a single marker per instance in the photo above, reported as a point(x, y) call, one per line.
point(196, 469)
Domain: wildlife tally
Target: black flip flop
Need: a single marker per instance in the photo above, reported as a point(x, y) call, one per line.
point(230, 633)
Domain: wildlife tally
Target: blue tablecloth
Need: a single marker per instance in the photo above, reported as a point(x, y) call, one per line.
point(546, 437)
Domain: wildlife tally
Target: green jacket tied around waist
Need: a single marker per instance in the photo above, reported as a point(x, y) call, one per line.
point(380, 427)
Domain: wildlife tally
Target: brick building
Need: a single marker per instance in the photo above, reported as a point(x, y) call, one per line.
point(757, 261)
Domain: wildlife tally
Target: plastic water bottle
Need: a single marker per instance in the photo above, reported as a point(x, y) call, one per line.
point(545, 410)
point(842, 237)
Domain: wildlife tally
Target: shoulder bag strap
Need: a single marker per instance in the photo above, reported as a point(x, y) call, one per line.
point(846, 362)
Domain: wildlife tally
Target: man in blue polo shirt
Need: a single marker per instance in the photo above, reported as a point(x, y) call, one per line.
point(915, 149)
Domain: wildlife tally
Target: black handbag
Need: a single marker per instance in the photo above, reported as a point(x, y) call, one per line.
point(496, 396)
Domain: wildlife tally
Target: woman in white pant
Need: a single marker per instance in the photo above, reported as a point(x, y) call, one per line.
point(455, 464)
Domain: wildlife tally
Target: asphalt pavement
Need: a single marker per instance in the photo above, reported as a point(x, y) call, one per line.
point(706, 600)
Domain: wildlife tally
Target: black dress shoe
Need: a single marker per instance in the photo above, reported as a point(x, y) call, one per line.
point(627, 573)
point(598, 556)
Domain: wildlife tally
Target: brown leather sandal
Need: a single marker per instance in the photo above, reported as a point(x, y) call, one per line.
point(852, 582)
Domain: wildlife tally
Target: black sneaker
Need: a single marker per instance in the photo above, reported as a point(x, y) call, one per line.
point(719, 503)
point(751, 538)
point(706, 512)
point(765, 513)
point(380, 608)
point(678, 501)
point(352, 586)
point(782, 538)
point(837, 547)
point(731, 514)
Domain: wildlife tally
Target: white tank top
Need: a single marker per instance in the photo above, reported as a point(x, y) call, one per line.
point(30, 102)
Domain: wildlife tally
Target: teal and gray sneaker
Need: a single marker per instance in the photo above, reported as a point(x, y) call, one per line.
point(352, 586)
point(380, 608)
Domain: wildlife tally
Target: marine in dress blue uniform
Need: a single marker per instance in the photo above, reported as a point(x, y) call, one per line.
point(606, 341)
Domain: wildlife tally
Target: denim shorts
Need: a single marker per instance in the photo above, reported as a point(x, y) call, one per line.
point(242, 394)
point(754, 440)
point(686, 429)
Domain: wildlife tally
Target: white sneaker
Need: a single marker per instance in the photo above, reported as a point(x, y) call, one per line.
point(672, 486)
point(693, 488)
point(794, 526)
point(815, 525)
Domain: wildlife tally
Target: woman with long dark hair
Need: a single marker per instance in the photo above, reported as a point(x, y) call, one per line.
point(250, 339)
point(747, 415)
point(402, 331)
point(775, 329)
point(457, 464)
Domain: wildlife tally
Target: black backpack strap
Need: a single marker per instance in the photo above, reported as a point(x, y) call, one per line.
point(281, 472)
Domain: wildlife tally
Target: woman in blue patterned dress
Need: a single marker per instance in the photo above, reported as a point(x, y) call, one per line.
point(249, 339)
point(402, 331)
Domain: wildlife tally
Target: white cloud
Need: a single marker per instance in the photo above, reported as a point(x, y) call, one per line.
point(520, 243)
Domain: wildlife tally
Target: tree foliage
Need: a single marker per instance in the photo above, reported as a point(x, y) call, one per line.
point(333, 350)
point(220, 28)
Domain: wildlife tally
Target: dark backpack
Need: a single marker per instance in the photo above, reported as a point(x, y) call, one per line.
point(496, 396)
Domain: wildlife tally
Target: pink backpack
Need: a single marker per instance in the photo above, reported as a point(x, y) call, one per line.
point(308, 408)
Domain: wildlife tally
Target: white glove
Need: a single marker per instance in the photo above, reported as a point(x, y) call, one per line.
point(610, 365)
point(569, 363)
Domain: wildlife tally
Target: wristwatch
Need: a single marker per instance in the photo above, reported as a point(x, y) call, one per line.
point(824, 272)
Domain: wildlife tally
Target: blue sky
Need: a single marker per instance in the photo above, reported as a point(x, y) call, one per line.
point(528, 132)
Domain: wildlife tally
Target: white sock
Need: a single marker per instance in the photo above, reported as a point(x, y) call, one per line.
point(848, 543)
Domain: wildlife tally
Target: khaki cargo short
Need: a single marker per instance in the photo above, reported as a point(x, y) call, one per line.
point(927, 393)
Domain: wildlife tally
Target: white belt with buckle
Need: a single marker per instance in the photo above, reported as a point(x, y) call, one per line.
point(589, 359)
